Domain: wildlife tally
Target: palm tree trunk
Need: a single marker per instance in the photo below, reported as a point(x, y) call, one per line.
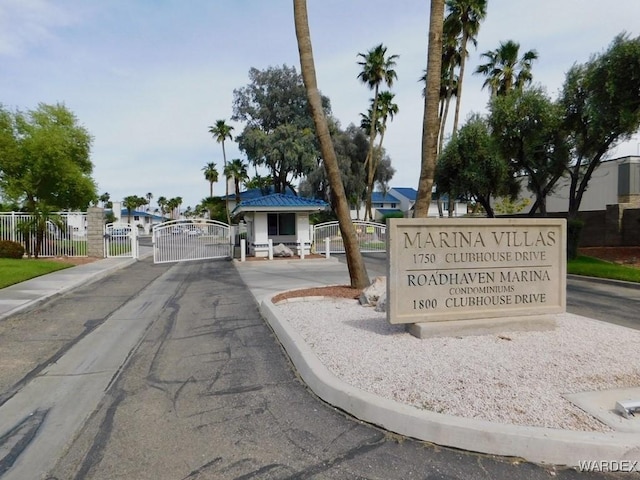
point(355, 263)
point(226, 183)
point(430, 123)
point(463, 61)
point(370, 156)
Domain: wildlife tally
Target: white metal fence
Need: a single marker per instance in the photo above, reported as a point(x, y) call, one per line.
point(121, 240)
point(182, 240)
point(57, 235)
point(372, 237)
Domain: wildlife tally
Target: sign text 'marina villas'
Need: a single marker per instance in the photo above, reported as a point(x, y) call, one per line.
point(461, 269)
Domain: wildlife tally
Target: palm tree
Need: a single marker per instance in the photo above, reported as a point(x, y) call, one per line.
point(451, 60)
point(221, 131)
point(387, 109)
point(377, 69)
point(149, 196)
point(210, 175)
point(430, 123)
point(131, 202)
point(464, 17)
point(505, 70)
point(174, 204)
point(357, 270)
point(162, 203)
point(237, 170)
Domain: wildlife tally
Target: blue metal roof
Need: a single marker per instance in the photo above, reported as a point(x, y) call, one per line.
point(379, 197)
point(407, 192)
point(279, 201)
point(138, 213)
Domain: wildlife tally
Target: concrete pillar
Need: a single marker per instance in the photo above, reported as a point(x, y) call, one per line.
point(243, 249)
point(95, 232)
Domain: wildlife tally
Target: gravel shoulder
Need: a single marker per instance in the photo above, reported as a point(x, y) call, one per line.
point(515, 378)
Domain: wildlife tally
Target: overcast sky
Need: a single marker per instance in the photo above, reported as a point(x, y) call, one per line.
point(147, 77)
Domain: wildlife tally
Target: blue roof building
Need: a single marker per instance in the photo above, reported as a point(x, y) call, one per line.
point(283, 219)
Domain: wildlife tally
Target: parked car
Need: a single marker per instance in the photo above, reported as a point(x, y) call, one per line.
point(192, 230)
point(120, 231)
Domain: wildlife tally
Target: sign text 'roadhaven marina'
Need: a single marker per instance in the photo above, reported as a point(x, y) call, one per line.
point(464, 269)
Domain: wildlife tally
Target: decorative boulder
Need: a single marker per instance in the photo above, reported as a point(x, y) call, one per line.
point(372, 293)
point(281, 250)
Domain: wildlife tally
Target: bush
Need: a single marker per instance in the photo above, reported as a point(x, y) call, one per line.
point(9, 249)
point(392, 215)
point(574, 228)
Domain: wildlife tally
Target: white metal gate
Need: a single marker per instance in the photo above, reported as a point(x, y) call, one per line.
point(182, 240)
point(372, 237)
point(121, 240)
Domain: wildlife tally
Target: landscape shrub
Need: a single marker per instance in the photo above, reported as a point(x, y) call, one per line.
point(10, 249)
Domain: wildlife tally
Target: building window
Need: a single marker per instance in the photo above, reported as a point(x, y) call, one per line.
point(281, 223)
point(393, 205)
point(136, 218)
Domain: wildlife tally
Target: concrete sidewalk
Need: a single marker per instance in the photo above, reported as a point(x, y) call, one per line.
point(31, 293)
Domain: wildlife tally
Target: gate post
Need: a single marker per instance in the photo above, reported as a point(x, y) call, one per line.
point(95, 232)
point(327, 247)
point(243, 251)
point(270, 243)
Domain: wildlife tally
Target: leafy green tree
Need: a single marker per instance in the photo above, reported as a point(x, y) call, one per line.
point(351, 147)
point(237, 170)
point(600, 101)
point(527, 128)
point(505, 69)
point(279, 132)
point(215, 208)
point(377, 69)
point(104, 199)
point(430, 119)
point(357, 269)
point(210, 175)
point(45, 159)
point(471, 166)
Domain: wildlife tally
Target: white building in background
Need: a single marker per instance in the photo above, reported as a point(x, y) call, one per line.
point(613, 181)
point(143, 220)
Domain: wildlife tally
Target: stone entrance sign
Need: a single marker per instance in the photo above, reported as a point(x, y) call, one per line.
point(465, 269)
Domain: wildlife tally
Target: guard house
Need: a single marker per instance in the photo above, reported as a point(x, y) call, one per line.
point(280, 218)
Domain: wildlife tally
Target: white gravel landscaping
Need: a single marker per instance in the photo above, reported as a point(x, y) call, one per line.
point(517, 378)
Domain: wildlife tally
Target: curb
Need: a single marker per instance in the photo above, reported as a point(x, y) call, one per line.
point(604, 281)
point(535, 444)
